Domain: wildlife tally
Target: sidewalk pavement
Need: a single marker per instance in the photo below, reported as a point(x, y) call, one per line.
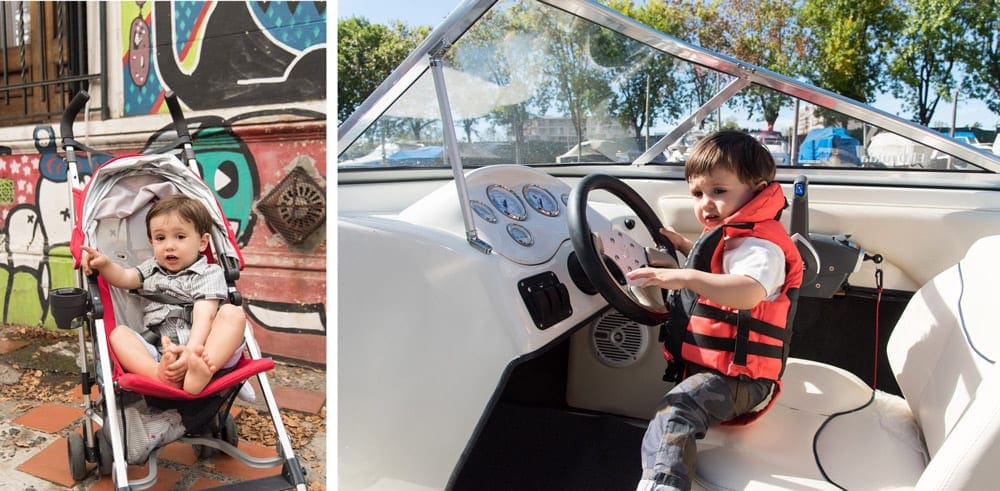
point(39, 411)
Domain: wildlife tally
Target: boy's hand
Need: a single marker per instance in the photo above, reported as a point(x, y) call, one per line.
point(681, 243)
point(667, 279)
point(175, 359)
point(91, 259)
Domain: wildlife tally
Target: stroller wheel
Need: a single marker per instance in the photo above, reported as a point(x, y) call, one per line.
point(230, 433)
point(77, 456)
point(105, 454)
point(204, 451)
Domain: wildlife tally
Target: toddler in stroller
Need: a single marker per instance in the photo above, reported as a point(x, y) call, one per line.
point(166, 262)
point(186, 334)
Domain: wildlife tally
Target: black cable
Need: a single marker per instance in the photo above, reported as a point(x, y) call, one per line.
point(820, 430)
point(877, 259)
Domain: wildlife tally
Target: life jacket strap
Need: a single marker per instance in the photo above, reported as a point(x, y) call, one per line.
point(729, 344)
point(732, 318)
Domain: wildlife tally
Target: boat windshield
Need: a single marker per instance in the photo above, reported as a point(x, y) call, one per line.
point(528, 83)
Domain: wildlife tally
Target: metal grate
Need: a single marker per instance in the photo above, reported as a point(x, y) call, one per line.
point(296, 207)
point(618, 341)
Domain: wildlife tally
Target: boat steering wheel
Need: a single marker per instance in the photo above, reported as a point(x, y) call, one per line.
point(606, 257)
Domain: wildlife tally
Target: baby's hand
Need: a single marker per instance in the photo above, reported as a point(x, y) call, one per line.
point(91, 259)
point(173, 361)
point(667, 279)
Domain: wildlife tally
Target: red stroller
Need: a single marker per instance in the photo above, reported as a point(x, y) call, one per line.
point(137, 415)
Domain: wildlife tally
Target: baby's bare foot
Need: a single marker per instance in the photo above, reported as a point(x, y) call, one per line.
point(200, 371)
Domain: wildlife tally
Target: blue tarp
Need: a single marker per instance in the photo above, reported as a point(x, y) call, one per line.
point(820, 142)
point(429, 152)
point(962, 136)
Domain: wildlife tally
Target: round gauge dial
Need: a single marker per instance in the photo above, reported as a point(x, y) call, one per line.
point(520, 234)
point(506, 202)
point(484, 212)
point(541, 200)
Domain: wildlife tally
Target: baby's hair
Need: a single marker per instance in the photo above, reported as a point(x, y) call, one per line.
point(186, 207)
point(734, 151)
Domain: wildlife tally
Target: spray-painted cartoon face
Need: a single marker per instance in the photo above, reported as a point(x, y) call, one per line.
point(138, 52)
point(228, 168)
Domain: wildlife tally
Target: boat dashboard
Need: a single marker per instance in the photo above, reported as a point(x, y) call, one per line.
point(527, 268)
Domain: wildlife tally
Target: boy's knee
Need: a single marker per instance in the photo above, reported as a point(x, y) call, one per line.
point(118, 332)
point(230, 313)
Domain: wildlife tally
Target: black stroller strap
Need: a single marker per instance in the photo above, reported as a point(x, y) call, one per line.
point(159, 297)
point(180, 310)
point(152, 337)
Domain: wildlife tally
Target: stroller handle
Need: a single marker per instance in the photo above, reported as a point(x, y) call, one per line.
point(180, 124)
point(69, 115)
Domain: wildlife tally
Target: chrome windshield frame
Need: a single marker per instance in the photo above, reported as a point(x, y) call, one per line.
point(467, 13)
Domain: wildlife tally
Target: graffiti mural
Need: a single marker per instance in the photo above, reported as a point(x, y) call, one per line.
point(35, 227)
point(191, 48)
point(287, 309)
point(245, 160)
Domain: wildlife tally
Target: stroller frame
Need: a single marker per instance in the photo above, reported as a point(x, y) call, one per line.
point(82, 308)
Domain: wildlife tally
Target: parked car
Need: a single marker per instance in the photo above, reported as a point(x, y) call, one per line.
point(483, 340)
point(776, 144)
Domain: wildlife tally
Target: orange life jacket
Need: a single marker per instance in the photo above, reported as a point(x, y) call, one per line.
point(753, 343)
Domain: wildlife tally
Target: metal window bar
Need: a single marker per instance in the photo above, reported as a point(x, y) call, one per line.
point(44, 81)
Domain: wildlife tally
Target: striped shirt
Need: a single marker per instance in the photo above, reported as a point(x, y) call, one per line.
point(199, 281)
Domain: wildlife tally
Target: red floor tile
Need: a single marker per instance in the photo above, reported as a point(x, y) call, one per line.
point(206, 483)
point(7, 345)
point(235, 468)
point(306, 401)
point(50, 418)
point(51, 464)
point(166, 479)
point(77, 394)
point(182, 453)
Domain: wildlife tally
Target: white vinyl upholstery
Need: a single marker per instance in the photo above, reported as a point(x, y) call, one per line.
point(944, 433)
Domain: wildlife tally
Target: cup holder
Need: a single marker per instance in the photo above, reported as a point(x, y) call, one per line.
point(67, 304)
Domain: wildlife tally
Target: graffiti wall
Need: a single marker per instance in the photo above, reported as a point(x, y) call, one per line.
point(271, 185)
point(216, 54)
point(267, 167)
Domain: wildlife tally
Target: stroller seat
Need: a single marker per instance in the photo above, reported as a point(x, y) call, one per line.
point(110, 214)
point(115, 224)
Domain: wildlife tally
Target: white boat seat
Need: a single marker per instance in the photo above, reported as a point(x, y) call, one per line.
point(944, 433)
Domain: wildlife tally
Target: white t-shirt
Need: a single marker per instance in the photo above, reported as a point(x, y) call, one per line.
point(756, 258)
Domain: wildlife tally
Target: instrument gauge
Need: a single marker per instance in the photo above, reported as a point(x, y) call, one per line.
point(506, 202)
point(520, 234)
point(484, 212)
point(540, 200)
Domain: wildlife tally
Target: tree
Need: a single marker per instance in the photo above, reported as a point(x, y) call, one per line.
point(486, 51)
point(580, 84)
point(848, 44)
point(930, 47)
point(366, 54)
point(646, 84)
point(983, 57)
point(763, 32)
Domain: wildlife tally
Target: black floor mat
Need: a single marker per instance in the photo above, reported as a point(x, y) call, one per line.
point(526, 448)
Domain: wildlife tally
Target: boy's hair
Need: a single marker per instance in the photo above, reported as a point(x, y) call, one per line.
point(732, 150)
point(186, 207)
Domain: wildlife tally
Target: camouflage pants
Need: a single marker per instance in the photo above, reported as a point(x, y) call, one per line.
point(684, 415)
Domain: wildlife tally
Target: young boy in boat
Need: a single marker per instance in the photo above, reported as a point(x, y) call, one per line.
point(186, 314)
point(731, 317)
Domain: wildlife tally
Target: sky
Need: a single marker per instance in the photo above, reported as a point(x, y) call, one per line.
point(432, 12)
